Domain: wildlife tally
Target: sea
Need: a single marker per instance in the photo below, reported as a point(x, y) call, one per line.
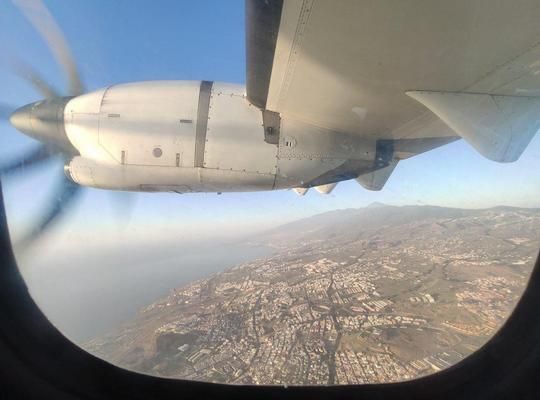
point(88, 294)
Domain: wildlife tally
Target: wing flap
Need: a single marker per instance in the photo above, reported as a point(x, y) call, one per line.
point(498, 127)
point(300, 191)
point(262, 26)
point(325, 68)
point(377, 179)
point(326, 189)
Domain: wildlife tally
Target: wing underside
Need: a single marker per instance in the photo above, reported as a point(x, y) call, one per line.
point(392, 70)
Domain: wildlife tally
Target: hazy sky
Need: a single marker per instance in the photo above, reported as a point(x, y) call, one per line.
point(123, 41)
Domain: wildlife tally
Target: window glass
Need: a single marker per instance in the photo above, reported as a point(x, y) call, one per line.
point(247, 286)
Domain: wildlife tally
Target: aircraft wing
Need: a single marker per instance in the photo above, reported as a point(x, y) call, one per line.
point(427, 70)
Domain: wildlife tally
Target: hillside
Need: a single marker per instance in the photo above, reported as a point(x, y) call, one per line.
point(377, 294)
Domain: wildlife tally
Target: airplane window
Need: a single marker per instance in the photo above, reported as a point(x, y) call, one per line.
point(384, 231)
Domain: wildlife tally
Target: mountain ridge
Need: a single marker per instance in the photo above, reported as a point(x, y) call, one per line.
point(376, 215)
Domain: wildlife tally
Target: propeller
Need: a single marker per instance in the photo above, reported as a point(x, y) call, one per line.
point(122, 204)
point(27, 73)
point(5, 111)
point(32, 158)
point(67, 192)
point(43, 22)
point(41, 120)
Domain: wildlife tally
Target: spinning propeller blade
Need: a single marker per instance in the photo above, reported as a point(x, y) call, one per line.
point(53, 142)
point(43, 21)
point(5, 111)
point(30, 159)
point(67, 194)
point(122, 204)
point(26, 72)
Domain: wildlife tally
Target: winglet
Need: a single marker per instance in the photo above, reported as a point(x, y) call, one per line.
point(498, 127)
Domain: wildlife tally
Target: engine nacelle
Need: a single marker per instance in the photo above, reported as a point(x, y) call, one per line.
point(143, 178)
point(200, 136)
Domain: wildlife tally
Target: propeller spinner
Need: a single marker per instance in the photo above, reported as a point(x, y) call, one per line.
point(44, 121)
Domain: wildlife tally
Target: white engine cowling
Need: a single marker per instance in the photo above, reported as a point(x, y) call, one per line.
point(200, 136)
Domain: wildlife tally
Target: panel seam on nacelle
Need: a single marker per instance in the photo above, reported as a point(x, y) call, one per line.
point(99, 125)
